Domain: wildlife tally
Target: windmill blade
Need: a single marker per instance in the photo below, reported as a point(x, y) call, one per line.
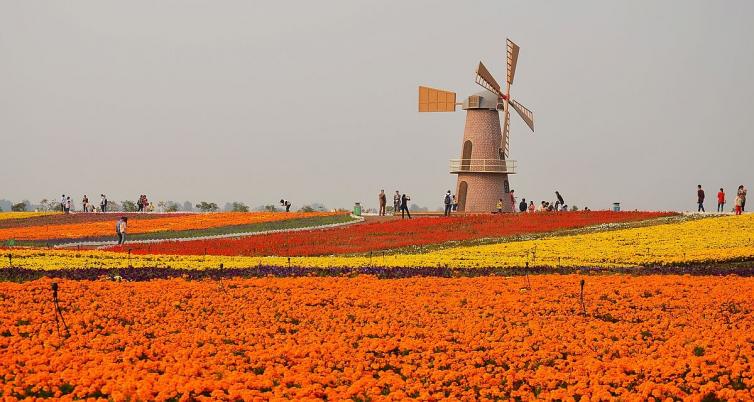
point(486, 80)
point(525, 113)
point(436, 100)
point(512, 60)
point(505, 140)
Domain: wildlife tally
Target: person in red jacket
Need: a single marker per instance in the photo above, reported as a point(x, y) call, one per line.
point(721, 200)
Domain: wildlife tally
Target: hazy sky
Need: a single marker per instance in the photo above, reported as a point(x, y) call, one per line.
point(635, 101)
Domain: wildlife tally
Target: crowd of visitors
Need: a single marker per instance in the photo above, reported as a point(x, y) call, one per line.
point(739, 204)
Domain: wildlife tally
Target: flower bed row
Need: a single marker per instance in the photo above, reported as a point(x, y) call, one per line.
point(392, 234)
point(144, 223)
point(707, 240)
point(19, 216)
point(633, 338)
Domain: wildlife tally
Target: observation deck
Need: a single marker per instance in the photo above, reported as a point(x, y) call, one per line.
point(482, 166)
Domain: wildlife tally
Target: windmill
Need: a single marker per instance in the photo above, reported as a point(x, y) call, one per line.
point(484, 165)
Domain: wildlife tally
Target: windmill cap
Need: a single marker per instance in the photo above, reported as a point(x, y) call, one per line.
point(487, 100)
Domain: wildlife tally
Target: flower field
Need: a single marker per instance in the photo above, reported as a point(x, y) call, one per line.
point(635, 338)
point(391, 234)
point(98, 225)
point(722, 239)
point(25, 215)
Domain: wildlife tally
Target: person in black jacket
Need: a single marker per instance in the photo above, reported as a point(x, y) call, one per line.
point(404, 206)
point(522, 206)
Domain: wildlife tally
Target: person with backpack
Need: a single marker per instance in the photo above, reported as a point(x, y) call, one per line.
point(721, 200)
point(103, 203)
point(700, 198)
point(120, 229)
point(448, 203)
point(404, 206)
point(522, 206)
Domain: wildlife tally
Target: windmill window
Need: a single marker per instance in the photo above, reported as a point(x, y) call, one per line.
point(474, 101)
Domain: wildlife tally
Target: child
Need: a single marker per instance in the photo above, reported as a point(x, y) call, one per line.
point(500, 206)
point(739, 204)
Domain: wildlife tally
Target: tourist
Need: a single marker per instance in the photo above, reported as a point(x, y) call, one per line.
point(140, 203)
point(62, 203)
point(742, 193)
point(103, 203)
point(532, 207)
point(68, 204)
point(522, 205)
point(721, 200)
point(287, 204)
point(396, 202)
point(513, 201)
point(404, 206)
point(559, 201)
point(448, 203)
point(455, 203)
point(499, 206)
point(120, 229)
point(739, 201)
point(383, 202)
point(85, 203)
point(700, 198)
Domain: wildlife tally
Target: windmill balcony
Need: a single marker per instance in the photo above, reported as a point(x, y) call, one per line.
point(482, 166)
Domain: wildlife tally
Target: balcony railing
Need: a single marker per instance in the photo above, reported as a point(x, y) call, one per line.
point(482, 166)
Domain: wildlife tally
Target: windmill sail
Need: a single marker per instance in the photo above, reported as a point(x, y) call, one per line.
point(436, 100)
point(525, 113)
point(486, 80)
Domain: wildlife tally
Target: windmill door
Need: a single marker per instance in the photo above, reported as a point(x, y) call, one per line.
point(462, 189)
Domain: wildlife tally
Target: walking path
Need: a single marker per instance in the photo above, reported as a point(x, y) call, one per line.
point(105, 244)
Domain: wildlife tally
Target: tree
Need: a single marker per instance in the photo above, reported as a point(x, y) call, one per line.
point(239, 207)
point(171, 207)
point(188, 206)
point(306, 208)
point(268, 208)
point(20, 207)
point(46, 205)
point(205, 206)
point(129, 206)
point(574, 208)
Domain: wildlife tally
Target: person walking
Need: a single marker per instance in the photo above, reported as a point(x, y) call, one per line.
point(62, 203)
point(742, 193)
point(700, 198)
point(448, 203)
point(286, 204)
point(120, 229)
point(532, 207)
point(103, 203)
point(522, 205)
point(85, 203)
point(396, 202)
point(383, 202)
point(721, 200)
point(404, 206)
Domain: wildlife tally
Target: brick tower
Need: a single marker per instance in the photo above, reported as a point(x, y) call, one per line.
point(484, 166)
point(482, 169)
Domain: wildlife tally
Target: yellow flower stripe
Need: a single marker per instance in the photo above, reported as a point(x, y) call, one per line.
point(22, 215)
point(704, 240)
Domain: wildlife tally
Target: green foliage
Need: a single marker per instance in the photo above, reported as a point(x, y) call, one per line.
point(270, 208)
point(171, 207)
point(698, 351)
point(205, 206)
point(306, 208)
point(129, 206)
point(574, 208)
point(20, 207)
point(239, 207)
